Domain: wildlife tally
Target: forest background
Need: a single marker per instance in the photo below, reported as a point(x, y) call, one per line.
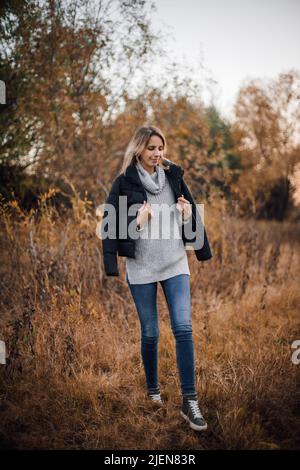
point(72, 103)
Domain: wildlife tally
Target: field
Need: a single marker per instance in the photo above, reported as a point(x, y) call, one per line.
point(73, 377)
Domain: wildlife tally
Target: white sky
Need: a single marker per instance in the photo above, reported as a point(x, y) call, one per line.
point(236, 39)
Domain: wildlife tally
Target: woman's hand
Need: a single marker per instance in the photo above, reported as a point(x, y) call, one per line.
point(144, 214)
point(185, 207)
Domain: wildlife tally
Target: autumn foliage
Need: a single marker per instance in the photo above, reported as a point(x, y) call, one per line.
point(73, 376)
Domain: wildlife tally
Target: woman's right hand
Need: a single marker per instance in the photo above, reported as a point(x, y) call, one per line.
point(145, 213)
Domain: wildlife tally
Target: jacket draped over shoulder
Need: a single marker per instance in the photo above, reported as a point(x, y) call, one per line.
point(130, 185)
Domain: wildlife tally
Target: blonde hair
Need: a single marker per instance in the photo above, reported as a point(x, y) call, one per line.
point(139, 142)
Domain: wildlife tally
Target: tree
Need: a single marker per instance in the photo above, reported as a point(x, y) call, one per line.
point(71, 61)
point(266, 135)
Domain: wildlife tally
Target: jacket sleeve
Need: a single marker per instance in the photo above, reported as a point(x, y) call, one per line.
point(203, 253)
point(110, 237)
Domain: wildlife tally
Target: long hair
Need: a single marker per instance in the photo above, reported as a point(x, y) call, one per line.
point(139, 142)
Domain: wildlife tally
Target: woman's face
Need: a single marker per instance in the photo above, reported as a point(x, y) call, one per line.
point(152, 154)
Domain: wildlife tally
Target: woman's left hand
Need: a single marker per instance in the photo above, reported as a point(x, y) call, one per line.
point(184, 207)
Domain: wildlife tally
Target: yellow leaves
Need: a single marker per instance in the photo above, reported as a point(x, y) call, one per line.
point(15, 208)
point(47, 195)
point(79, 208)
point(14, 204)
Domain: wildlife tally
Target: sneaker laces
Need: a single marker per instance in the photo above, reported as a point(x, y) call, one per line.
point(195, 408)
point(155, 397)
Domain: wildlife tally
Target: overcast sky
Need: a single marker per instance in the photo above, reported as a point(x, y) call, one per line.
point(236, 39)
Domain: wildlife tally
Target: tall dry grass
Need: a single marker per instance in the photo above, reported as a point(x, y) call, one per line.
point(74, 377)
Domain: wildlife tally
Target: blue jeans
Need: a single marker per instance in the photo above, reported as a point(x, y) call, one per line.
point(177, 293)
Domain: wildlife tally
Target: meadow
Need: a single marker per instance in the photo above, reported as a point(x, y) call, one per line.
point(73, 377)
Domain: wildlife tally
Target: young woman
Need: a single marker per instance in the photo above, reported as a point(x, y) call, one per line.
point(153, 183)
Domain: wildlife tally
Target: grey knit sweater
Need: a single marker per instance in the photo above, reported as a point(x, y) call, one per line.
point(159, 251)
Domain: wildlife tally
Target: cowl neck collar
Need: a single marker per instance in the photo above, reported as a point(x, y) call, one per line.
point(154, 183)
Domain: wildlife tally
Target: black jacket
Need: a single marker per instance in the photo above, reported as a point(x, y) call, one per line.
point(130, 185)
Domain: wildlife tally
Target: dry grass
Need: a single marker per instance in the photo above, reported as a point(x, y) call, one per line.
point(74, 377)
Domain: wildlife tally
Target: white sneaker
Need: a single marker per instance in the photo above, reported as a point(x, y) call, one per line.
point(192, 414)
point(155, 397)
